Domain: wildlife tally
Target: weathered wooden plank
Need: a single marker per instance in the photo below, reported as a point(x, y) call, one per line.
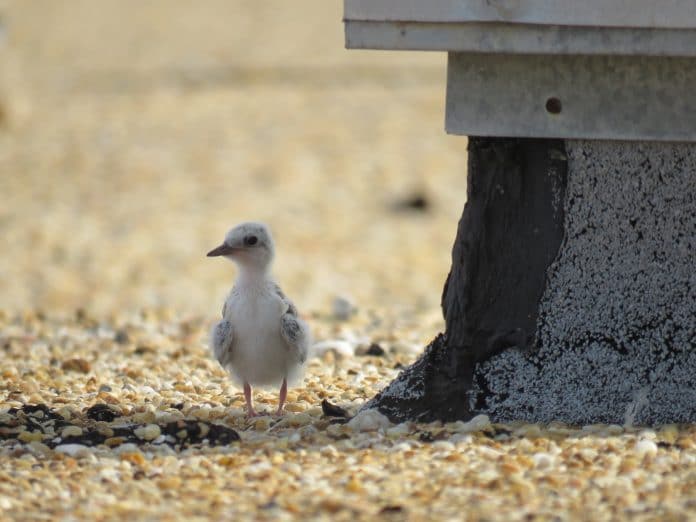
point(672, 14)
point(496, 37)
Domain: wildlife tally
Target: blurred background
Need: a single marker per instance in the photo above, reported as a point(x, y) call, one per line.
point(134, 133)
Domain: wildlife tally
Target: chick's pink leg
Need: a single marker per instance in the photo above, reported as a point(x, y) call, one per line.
point(251, 412)
point(282, 397)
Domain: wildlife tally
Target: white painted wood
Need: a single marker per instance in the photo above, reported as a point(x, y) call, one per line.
point(497, 37)
point(597, 97)
point(665, 14)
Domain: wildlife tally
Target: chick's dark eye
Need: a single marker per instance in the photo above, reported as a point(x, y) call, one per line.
point(250, 240)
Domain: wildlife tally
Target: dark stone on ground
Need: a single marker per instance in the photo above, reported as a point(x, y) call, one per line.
point(392, 510)
point(179, 435)
point(76, 365)
point(416, 202)
point(144, 349)
point(122, 337)
point(426, 436)
point(216, 434)
point(375, 350)
point(331, 410)
point(102, 412)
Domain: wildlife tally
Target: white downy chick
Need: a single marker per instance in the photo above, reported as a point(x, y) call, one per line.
point(260, 340)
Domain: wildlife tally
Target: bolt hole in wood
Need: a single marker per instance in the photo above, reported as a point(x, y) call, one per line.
point(553, 105)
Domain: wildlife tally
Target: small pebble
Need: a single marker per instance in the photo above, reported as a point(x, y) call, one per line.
point(646, 447)
point(369, 420)
point(461, 438)
point(477, 423)
point(339, 347)
point(148, 432)
point(76, 365)
point(342, 308)
point(128, 447)
point(400, 447)
point(262, 423)
point(297, 420)
point(443, 445)
point(71, 431)
point(74, 450)
point(110, 475)
point(38, 448)
point(30, 436)
point(400, 430)
point(114, 441)
point(542, 460)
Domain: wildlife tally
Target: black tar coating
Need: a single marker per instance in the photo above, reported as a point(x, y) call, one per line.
point(509, 234)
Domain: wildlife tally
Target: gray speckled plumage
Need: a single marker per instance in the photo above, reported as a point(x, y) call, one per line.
point(293, 329)
point(221, 342)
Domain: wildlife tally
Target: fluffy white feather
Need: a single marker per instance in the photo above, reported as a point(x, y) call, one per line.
point(260, 340)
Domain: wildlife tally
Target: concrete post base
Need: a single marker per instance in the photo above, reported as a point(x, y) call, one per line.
point(600, 324)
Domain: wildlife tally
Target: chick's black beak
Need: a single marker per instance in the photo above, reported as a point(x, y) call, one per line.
point(222, 250)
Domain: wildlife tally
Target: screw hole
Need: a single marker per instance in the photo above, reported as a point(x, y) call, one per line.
point(553, 106)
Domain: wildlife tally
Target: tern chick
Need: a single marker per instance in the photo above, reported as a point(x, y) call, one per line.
point(260, 339)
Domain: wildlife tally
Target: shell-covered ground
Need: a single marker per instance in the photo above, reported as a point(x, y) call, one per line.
point(132, 136)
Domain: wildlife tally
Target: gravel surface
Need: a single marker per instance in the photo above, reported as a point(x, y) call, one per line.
point(102, 420)
point(132, 136)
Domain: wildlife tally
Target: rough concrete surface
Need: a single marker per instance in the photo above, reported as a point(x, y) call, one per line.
point(616, 335)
